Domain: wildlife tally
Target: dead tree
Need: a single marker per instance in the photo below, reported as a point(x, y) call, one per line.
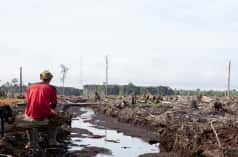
point(147, 98)
point(21, 88)
point(153, 98)
point(133, 99)
point(229, 80)
point(218, 107)
point(2, 93)
point(13, 88)
point(194, 104)
point(64, 71)
point(199, 98)
point(14, 82)
point(106, 83)
point(97, 97)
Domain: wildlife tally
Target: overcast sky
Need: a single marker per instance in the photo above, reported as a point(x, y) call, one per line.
point(179, 43)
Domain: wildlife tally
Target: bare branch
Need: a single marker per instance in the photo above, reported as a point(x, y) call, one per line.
point(64, 71)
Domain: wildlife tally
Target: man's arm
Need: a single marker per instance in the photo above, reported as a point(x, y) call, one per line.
point(53, 98)
point(27, 95)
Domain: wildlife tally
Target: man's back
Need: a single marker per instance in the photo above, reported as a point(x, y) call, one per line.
point(40, 96)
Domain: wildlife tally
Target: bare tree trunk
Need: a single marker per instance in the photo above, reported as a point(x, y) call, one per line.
point(21, 90)
point(63, 89)
point(106, 84)
point(229, 80)
point(64, 71)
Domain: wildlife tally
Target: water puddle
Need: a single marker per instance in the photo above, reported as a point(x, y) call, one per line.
point(120, 145)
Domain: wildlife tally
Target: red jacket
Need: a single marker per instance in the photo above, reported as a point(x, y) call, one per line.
point(40, 97)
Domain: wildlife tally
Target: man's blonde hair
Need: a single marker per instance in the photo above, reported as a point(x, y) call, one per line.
point(46, 75)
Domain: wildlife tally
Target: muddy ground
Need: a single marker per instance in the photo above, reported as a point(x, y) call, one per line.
point(15, 138)
point(132, 130)
point(184, 126)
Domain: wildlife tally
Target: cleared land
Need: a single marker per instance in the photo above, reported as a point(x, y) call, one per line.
point(184, 126)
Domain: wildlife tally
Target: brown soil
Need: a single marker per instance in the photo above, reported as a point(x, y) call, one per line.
point(88, 152)
point(14, 142)
point(162, 154)
point(177, 125)
point(11, 101)
point(182, 129)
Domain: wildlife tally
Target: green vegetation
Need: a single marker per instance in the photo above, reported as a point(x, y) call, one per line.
point(11, 90)
point(124, 90)
point(204, 92)
point(69, 91)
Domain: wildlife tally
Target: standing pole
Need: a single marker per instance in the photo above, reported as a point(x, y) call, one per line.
point(106, 86)
point(229, 80)
point(81, 72)
point(64, 71)
point(63, 88)
point(106, 93)
point(21, 91)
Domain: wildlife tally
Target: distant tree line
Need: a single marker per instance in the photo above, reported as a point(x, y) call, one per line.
point(69, 91)
point(204, 92)
point(124, 90)
point(10, 89)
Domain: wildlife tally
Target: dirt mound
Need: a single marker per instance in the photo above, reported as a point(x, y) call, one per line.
point(181, 127)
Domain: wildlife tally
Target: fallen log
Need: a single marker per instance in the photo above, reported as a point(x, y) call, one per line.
point(217, 138)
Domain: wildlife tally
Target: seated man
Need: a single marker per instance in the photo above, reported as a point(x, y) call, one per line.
point(41, 102)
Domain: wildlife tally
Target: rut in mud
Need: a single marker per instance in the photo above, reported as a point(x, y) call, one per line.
point(120, 145)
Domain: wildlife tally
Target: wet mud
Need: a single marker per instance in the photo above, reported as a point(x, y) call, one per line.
point(97, 135)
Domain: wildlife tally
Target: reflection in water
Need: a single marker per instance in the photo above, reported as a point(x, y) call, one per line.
point(120, 144)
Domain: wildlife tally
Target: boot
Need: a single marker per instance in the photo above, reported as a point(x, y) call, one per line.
point(52, 132)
